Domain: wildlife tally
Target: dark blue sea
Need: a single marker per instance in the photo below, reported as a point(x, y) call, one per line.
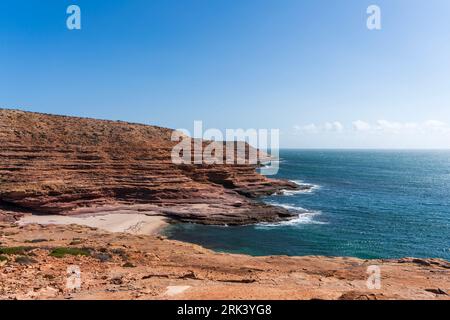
point(366, 204)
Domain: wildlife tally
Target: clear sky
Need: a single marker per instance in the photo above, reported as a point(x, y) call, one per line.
point(308, 67)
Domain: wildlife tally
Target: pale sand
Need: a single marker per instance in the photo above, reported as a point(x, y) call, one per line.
point(114, 222)
point(175, 290)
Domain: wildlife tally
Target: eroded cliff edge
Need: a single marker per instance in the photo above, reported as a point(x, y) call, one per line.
point(34, 263)
point(67, 165)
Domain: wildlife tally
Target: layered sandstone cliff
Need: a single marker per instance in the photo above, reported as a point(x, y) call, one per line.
point(67, 165)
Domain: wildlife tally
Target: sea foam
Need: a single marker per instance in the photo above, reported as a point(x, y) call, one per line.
point(304, 216)
point(300, 183)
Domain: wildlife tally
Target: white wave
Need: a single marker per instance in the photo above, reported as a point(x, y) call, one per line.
point(279, 160)
point(288, 206)
point(310, 188)
point(304, 217)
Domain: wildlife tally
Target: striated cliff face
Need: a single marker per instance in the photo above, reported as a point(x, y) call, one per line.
point(66, 165)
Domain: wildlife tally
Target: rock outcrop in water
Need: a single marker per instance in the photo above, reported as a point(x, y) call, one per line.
point(67, 165)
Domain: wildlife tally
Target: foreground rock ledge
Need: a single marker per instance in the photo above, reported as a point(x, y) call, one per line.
point(125, 266)
point(65, 165)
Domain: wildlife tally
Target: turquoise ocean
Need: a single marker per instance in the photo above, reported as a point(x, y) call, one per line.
point(363, 203)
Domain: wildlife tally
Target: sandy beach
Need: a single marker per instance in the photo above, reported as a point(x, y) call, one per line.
point(114, 222)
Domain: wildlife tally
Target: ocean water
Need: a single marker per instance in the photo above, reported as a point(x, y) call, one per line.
point(366, 204)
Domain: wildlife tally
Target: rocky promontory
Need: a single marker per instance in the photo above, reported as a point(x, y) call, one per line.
point(93, 172)
point(67, 165)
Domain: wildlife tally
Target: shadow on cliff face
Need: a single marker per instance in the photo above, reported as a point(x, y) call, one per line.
point(58, 165)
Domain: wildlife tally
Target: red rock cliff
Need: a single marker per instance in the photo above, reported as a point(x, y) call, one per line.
point(67, 165)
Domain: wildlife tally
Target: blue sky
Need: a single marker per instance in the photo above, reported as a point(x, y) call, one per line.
point(310, 68)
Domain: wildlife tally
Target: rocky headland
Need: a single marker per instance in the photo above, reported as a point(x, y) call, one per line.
point(66, 183)
point(67, 166)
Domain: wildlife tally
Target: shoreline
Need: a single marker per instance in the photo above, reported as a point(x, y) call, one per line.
point(140, 224)
point(127, 266)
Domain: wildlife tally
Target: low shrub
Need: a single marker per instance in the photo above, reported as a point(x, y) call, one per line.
point(61, 252)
